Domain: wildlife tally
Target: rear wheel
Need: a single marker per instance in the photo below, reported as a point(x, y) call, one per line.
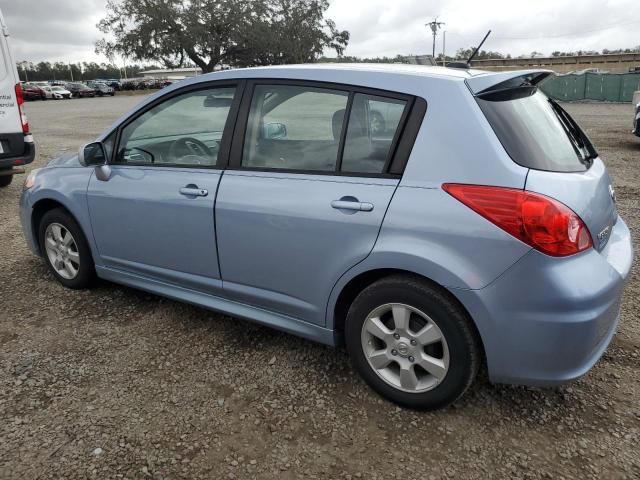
point(412, 343)
point(5, 180)
point(65, 250)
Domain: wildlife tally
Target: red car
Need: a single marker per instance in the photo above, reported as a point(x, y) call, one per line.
point(33, 92)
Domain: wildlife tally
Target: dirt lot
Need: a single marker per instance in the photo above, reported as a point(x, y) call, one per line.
point(116, 383)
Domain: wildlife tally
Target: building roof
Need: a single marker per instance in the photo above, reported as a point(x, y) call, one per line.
point(173, 70)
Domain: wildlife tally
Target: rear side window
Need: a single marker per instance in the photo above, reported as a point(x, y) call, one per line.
point(316, 129)
point(372, 128)
point(294, 128)
point(535, 131)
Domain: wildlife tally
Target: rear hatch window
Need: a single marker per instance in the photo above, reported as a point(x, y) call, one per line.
point(535, 131)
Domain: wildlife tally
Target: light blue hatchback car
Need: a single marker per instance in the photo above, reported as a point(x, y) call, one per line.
point(432, 219)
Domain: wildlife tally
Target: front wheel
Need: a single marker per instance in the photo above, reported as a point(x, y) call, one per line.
point(412, 342)
point(5, 180)
point(65, 250)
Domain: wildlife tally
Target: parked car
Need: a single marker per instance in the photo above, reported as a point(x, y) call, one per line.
point(484, 229)
point(33, 92)
point(48, 91)
point(101, 89)
point(80, 90)
point(636, 118)
point(59, 93)
point(111, 82)
point(16, 142)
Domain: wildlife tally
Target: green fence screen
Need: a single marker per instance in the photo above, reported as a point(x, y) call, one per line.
point(605, 87)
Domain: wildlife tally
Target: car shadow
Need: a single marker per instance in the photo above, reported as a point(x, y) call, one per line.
point(331, 366)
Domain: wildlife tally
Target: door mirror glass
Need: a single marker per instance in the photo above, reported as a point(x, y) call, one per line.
point(274, 131)
point(93, 154)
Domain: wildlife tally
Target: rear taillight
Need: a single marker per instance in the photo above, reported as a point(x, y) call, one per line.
point(542, 222)
point(23, 116)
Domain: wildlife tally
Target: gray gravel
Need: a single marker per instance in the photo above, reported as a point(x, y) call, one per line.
point(116, 383)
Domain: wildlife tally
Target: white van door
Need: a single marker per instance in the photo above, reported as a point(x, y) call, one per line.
point(16, 143)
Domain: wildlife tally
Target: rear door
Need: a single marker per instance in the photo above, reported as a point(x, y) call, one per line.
point(539, 134)
point(306, 192)
point(154, 216)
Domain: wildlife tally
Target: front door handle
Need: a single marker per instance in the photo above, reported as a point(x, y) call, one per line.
point(352, 205)
point(193, 191)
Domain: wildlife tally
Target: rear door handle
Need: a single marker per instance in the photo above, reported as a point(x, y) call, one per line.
point(193, 191)
point(352, 205)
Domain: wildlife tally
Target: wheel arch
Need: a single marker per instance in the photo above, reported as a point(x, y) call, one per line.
point(362, 280)
point(39, 209)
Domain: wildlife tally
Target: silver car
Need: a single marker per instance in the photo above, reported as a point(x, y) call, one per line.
point(431, 219)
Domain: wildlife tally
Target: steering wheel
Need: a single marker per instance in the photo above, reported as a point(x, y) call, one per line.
point(192, 148)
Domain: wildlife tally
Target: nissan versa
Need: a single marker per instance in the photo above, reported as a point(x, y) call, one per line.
point(432, 219)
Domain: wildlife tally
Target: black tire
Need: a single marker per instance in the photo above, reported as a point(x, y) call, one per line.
point(462, 339)
point(86, 272)
point(5, 180)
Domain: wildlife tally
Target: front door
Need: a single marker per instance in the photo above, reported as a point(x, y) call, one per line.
point(305, 198)
point(154, 216)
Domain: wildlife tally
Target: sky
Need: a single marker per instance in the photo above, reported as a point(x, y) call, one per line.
point(65, 30)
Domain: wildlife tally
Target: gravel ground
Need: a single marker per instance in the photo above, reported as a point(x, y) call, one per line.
point(116, 383)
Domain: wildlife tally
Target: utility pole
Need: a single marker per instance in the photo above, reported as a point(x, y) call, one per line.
point(444, 56)
point(435, 25)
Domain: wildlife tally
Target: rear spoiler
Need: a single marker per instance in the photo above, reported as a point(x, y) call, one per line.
point(484, 83)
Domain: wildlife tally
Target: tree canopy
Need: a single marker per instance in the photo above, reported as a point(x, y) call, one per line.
point(212, 33)
point(42, 71)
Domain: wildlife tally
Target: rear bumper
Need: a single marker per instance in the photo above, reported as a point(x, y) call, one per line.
point(27, 156)
point(547, 320)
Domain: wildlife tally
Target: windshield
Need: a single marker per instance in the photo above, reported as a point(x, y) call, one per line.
point(536, 132)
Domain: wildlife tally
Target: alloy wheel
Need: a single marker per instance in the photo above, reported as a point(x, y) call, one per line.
point(62, 251)
point(405, 347)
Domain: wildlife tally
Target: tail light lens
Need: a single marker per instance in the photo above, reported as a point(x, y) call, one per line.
point(23, 116)
point(540, 221)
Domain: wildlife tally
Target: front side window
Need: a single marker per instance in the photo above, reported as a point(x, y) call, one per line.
point(294, 128)
point(372, 127)
point(185, 130)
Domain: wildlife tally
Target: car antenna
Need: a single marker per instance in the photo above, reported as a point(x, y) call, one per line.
point(467, 64)
point(475, 52)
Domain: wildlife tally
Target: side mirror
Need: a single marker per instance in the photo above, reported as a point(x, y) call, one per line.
point(92, 154)
point(274, 131)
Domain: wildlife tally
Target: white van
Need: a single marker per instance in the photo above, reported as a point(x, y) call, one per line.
point(16, 142)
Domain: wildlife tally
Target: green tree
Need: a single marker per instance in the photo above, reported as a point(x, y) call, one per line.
point(211, 33)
